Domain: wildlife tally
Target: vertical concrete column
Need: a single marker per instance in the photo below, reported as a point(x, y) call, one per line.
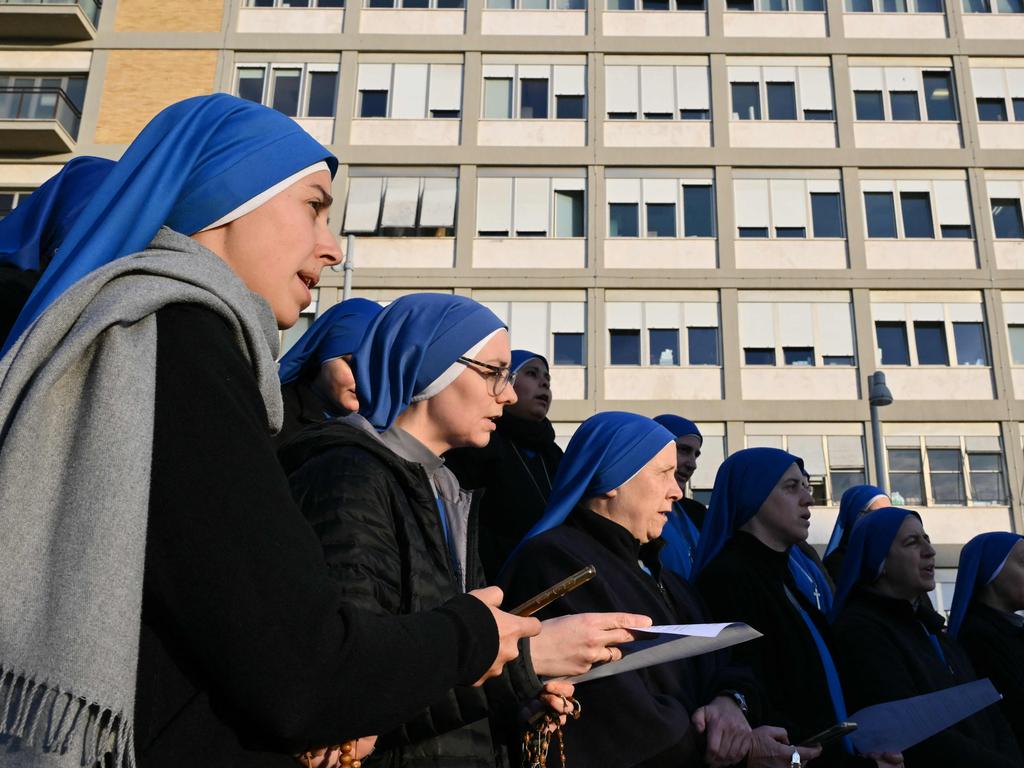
point(854, 207)
point(843, 98)
point(472, 84)
point(732, 355)
point(719, 74)
point(596, 218)
point(834, 12)
point(1011, 434)
point(864, 330)
point(465, 222)
point(981, 213)
point(735, 437)
point(726, 220)
point(999, 345)
point(348, 95)
point(596, 347)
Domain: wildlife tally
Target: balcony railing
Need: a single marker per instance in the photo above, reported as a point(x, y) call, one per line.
point(91, 8)
point(26, 103)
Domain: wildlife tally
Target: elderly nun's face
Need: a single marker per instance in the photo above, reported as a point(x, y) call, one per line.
point(463, 413)
point(1006, 591)
point(642, 504)
point(785, 516)
point(279, 248)
point(909, 570)
point(533, 390)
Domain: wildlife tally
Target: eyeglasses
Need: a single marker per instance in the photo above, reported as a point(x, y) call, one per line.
point(497, 377)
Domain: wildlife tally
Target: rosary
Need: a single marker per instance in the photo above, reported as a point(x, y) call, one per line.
point(537, 739)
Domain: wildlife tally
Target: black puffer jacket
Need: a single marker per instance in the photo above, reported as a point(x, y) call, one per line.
point(377, 519)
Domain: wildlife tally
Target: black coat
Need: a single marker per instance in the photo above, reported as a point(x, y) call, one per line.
point(377, 520)
point(996, 648)
point(303, 406)
point(248, 653)
point(639, 718)
point(884, 654)
point(515, 470)
point(747, 582)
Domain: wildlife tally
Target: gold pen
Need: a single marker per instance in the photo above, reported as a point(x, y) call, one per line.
point(551, 594)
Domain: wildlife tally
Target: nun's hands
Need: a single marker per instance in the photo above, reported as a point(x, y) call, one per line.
point(571, 645)
point(557, 695)
point(511, 629)
point(770, 748)
point(726, 730)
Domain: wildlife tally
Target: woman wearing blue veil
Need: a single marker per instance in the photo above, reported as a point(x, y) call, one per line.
point(985, 619)
point(164, 602)
point(682, 531)
point(760, 509)
point(890, 646)
point(856, 501)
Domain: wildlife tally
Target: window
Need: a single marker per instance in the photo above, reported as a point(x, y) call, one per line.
point(746, 101)
point(892, 342)
point(661, 220)
point(917, 214)
point(569, 108)
point(664, 346)
point(530, 207)
point(938, 95)
point(992, 110)
point(781, 101)
point(534, 91)
point(309, 90)
point(969, 339)
point(827, 214)
point(296, 4)
point(657, 92)
point(946, 474)
point(1006, 218)
point(43, 97)
point(400, 206)
point(9, 200)
point(409, 91)
point(624, 219)
point(986, 470)
point(868, 105)
point(993, 88)
point(703, 344)
point(624, 347)
point(798, 356)
point(497, 98)
point(698, 211)
point(903, 105)
point(845, 463)
point(930, 339)
point(993, 6)
point(906, 474)
point(837, 359)
point(569, 349)
point(881, 216)
point(753, 232)
point(569, 213)
point(533, 99)
point(833, 462)
point(759, 356)
point(1017, 344)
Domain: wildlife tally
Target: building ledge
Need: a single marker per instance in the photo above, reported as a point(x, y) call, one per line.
point(34, 21)
point(34, 137)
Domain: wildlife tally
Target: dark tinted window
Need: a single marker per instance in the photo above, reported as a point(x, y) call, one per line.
point(569, 349)
point(664, 346)
point(992, 110)
point(868, 105)
point(892, 341)
point(969, 340)
point(623, 220)
point(781, 101)
point(703, 344)
point(373, 104)
point(904, 106)
point(1006, 216)
point(759, 356)
point(917, 214)
point(938, 95)
point(661, 220)
point(624, 347)
point(698, 211)
point(930, 338)
point(880, 213)
point(827, 214)
point(746, 101)
point(534, 103)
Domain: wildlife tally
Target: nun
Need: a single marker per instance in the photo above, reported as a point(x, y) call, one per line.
point(682, 529)
point(400, 535)
point(516, 467)
point(612, 497)
point(760, 509)
point(164, 602)
point(856, 501)
point(887, 648)
point(317, 382)
point(985, 619)
point(31, 234)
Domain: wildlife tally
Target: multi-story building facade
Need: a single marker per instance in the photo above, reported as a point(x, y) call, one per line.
point(735, 210)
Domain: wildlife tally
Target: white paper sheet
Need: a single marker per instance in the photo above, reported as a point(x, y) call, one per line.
point(669, 646)
point(898, 725)
point(691, 630)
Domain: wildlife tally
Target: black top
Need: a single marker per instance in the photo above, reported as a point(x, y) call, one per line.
point(15, 287)
point(516, 470)
point(303, 406)
point(378, 523)
point(995, 643)
point(694, 510)
point(884, 654)
point(246, 648)
point(639, 718)
point(747, 582)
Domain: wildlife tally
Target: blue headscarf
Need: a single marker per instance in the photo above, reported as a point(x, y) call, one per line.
point(37, 227)
point(521, 357)
point(854, 501)
point(679, 426)
point(336, 332)
point(415, 342)
point(742, 484)
point(981, 560)
point(194, 163)
point(869, 545)
point(606, 451)
point(680, 534)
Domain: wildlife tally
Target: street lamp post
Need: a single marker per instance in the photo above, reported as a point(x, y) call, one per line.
point(878, 396)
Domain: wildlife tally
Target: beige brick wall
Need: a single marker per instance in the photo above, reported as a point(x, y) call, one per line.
point(138, 84)
point(164, 16)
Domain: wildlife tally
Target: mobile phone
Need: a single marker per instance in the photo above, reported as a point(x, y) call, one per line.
point(551, 594)
point(829, 735)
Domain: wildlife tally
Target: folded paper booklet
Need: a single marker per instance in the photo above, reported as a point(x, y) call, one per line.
point(670, 643)
point(898, 725)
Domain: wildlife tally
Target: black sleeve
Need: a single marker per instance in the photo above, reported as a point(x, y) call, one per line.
point(237, 579)
point(349, 497)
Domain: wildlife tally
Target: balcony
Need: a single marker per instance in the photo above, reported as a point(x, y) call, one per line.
point(37, 121)
point(63, 20)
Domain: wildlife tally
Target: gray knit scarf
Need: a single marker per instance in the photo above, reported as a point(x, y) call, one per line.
point(77, 395)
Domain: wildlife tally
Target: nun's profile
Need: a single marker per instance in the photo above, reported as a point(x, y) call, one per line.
point(164, 602)
point(682, 531)
point(856, 501)
point(889, 646)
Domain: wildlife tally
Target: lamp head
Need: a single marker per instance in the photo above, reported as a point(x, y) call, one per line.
point(878, 392)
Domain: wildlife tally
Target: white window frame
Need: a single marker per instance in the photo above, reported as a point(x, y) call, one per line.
point(431, 74)
point(743, 74)
point(889, 79)
point(501, 72)
point(921, 444)
point(645, 196)
point(810, 186)
point(441, 185)
point(949, 313)
point(824, 343)
point(305, 68)
point(897, 186)
point(518, 186)
point(650, 315)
